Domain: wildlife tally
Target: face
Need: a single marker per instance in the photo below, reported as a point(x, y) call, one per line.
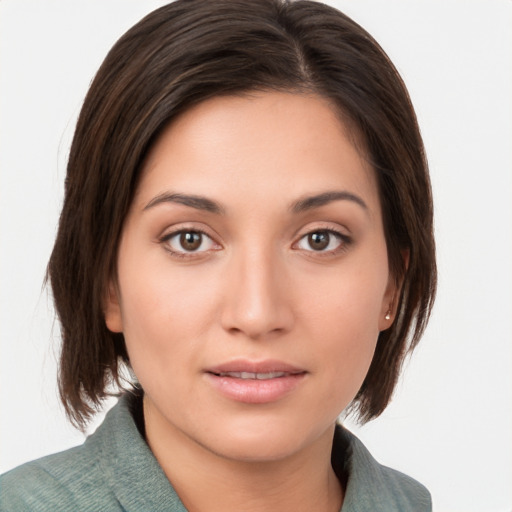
point(252, 276)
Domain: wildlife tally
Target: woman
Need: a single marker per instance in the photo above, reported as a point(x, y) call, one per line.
point(247, 228)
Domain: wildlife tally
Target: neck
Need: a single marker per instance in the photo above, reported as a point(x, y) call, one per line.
point(206, 481)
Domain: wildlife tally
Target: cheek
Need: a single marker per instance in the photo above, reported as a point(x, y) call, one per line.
point(343, 313)
point(164, 315)
point(349, 300)
point(349, 337)
point(347, 344)
point(156, 293)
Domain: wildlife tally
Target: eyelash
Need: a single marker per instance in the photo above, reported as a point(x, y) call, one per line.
point(344, 242)
point(165, 240)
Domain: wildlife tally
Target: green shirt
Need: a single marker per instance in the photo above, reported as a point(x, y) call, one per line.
point(114, 470)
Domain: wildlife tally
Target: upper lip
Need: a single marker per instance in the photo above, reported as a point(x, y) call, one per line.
point(265, 366)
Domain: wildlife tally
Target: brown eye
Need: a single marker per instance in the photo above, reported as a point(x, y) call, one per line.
point(319, 241)
point(323, 240)
point(191, 240)
point(187, 242)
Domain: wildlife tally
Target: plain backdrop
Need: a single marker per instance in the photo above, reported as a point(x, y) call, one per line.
point(450, 423)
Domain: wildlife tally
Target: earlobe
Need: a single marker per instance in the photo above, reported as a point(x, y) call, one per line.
point(391, 297)
point(112, 309)
point(389, 305)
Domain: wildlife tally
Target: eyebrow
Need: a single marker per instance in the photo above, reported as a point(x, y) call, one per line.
point(302, 205)
point(310, 202)
point(193, 201)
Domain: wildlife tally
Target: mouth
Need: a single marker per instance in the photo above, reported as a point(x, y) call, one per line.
point(253, 375)
point(255, 382)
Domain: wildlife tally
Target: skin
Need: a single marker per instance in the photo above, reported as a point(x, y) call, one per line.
point(256, 288)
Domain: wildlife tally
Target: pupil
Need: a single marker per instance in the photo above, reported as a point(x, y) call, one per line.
point(318, 241)
point(190, 240)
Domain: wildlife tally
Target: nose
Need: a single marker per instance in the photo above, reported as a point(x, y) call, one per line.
point(258, 301)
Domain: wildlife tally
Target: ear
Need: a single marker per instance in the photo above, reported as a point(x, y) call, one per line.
point(389, 304)
point(112, 308)
point(391, 296)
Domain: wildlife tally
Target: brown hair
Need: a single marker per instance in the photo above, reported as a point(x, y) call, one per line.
point(192, 50)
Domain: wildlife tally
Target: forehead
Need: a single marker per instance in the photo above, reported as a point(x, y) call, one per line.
point(257, 143)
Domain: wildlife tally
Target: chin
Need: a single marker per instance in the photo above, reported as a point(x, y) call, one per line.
point(264, 443)
point(264, 449)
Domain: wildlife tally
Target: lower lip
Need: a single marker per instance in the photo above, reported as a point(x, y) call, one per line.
point(254, 391)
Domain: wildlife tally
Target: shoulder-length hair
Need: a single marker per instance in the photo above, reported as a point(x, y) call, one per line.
point(192, 50)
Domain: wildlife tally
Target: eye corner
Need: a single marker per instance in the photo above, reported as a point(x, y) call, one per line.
point(323, 241)
point(189, 242)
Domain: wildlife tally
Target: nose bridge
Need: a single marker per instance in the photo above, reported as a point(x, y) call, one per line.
point(256, 303)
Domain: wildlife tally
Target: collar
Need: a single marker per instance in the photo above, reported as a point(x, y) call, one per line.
point(139, 483)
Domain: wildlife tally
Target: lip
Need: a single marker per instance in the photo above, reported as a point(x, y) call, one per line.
point(255, 382)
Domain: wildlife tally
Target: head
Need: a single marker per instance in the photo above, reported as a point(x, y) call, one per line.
point(175, 60)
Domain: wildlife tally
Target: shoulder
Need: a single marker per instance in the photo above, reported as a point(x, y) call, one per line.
point(71, 480)
point(113, 470)
point(75, 479)
point(372, 486)
point(405, 490)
